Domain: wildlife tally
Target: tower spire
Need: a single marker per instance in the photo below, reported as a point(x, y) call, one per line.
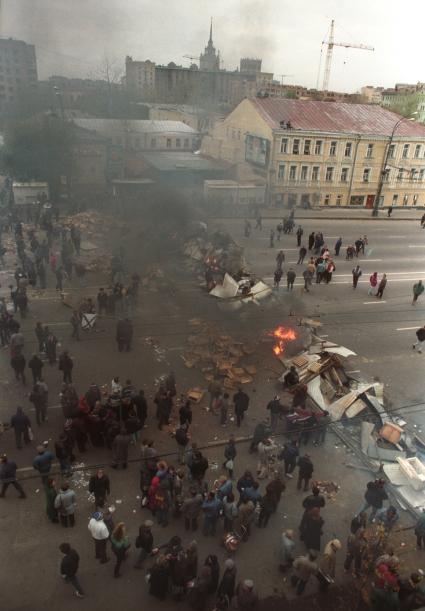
point(210, 40)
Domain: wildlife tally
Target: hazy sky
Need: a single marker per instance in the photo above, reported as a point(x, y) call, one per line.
point(73, 37)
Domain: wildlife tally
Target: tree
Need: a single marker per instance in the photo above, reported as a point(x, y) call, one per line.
point(39, 149)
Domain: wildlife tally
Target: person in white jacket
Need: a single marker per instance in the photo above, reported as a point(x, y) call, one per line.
point(100, 533)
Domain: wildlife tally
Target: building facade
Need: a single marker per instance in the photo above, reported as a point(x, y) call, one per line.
point(18, 69)
point(323, 153)
point(408, 100)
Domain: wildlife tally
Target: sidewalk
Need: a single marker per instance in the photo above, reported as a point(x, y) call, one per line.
point(338, 214)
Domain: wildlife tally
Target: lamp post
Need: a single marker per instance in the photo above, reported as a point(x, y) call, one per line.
point(375, 208)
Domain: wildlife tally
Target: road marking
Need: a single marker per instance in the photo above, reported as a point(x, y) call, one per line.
point(354, 371)
point(396, 236)
point(417, 246)
point(406, 328)
point(370, 260)
point(370, 302)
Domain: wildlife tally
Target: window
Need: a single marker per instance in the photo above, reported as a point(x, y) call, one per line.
point(292, 172)
point(405, 151)
point(168, 143)
point(281, 171)
point(369, 151)
point(284, 145)
point(332, 148)
point(178, 143)
point(415, 199)
point(315, 173)
point(400, 175)
point(366, 175)
point(186, 143)
point(327, 199)
point(391, 151)
point(344, 174)
point(348, 149)
point(329, 174)
point(194, 143)
point(417, 151)
point(304, 172)
point(405, 200)
point(153, 143)
point(338, 200)
point(307, 147)
point(421, 174)
point(413, 173)
point(318, 147)
point(395, 200)
point(296, 147)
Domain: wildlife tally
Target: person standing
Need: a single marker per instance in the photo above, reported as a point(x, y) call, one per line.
point(69, 567)
point(275, 410)
point(271, 238)
point(381, 286)
point(280, 258)
point(418, 289)
point(356, 272)
point(211, 508)
point(185, 413)
point(36, 365)
point(18, 363)
point(308, 276)
point(22, 426)
point(120, 545)
point(246, 597)
point(301, 255)
point(290, 279)
point(420, 530)
point(99, 486)
point(66, 365)
point(41, 337)
point(75, 324)
point(8, 477)
point(286, 552)
point(338, 245)
point(299, 235)
point(66, 503)
point(241, 403)
point(230, 453)
point(311, 239)
point(224, 408)
point(226, 589)
point(389, 211)
point(277, 277)
point(374, 496)
point(373, 283)
point(39, 398)
point(51, 494)
point(191, 509)
point(120, 449)
point(305, 471)
point(182, 439)
point(420, 334)
point(43, 462)
point(144, 542)
point(100, 534)
point(305, 567)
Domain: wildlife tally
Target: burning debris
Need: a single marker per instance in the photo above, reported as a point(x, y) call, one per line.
point(282, 335)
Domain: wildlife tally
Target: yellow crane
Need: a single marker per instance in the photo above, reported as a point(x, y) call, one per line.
point(331, 44)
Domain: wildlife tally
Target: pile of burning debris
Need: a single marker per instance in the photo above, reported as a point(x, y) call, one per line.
point(91, 222)
point(218, 355)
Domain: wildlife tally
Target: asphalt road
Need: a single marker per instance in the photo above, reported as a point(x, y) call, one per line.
point(29, 556)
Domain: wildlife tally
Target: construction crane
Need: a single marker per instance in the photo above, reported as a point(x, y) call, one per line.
point(331, 44)
point(192, 57)
point(282, 76)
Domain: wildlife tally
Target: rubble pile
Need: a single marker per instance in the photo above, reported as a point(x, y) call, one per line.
point(215, 353)
point(217, 251)
point(91, 222)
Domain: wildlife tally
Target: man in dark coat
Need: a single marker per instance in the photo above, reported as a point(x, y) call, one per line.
point(99, 486)
point(8, 477)
point(141, 405)
point(305, 472)
point(241, 403)
point(21, 424)
point(375, 496)
point(69, 567)
point(124, 334)
point(66, 365)
point(120, 449)
point(36, 365)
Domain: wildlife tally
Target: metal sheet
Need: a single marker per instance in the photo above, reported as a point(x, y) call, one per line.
point(228, 289)
point(316, 394)
point(341, 351)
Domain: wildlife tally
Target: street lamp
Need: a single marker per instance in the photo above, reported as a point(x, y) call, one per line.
point(384, 165)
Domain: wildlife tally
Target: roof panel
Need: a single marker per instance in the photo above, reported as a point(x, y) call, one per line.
point(337, 117)
point(134, 125)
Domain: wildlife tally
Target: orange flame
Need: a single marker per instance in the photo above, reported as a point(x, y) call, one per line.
point(282, 335)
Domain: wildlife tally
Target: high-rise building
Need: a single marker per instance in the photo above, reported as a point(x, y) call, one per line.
point(18, 69)
point(209, 60)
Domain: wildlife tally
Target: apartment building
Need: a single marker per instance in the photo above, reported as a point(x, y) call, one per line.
point(18, 69)
point(313, 153)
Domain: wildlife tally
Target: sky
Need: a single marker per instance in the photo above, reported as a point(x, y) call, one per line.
point(80, 37)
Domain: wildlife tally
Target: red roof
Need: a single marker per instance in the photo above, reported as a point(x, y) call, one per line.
point(337, 117)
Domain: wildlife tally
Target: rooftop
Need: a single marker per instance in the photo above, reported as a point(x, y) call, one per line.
point(141, 126)
point(182, 161)
point(336, 117)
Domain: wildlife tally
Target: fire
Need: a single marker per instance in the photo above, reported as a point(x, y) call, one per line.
point(281, 336)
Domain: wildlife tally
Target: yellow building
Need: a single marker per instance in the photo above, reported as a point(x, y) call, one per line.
point(323, 153)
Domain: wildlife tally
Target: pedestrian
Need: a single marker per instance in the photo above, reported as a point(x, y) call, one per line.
point(305, 471)
point(226, 589)
point(36, 365)
point(258, 222)
point(311, 239)
point(197, 464)
point(66, 365)
point(162, 503)
point(247, 228)
point(381, 286)
point(100, 534)
point(124, 334)
point(290, 279)
point(191, 509)
point(315, 499)
point(230, 512)
point(299, 235)
point(387, 517)
point(224, 408)
point(64, 455)
point(374, 496)
point(230, 453)
point(51, 494)
point(43, 462)
point(39, 398)
point(8, 469)
point(356, 548)
point(373, 283)
point(144, 542)
point(389, 211)
point(301, 255)
point(280, 258)
point(418, 289)
point(120, 446)
point(100, 487)
point(158, 577)
point(241, 403)
point(275, 408)
point(246, 517)
point(18, 363)
point(59, 273)
point(356, 273)
point(328, 562)
point(323, 420)
point(120, 545)
point(185, 413)
point(21, 424)
point(66, 503)
point(289, 455)
point(312, 529)
point(246, 596)
point(308, 276)
point(41, 337)
point(75, 325)
point(51, 343)
point(420, 529)
point(211, 509)
point(286, 551)
point(277, 277)
point(338, 245)
point(420, 334)
point(69, 567)
point(182, 438)
point(305, 567)
point(267, 506)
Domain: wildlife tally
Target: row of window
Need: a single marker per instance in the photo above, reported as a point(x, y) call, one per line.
point(317, 147)
point(359, 200)
point(313, 173)
point(178, 143)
